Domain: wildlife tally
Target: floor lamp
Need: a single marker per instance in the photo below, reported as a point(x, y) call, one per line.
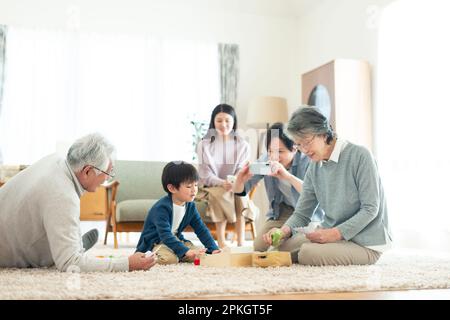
point(263, 111)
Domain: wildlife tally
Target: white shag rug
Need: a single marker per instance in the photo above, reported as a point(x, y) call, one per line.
point(394, 271)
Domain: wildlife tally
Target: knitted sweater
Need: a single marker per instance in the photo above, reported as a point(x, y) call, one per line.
point(40, 220)
point(349, 190)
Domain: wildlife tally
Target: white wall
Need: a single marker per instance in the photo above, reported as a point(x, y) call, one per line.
point(279, 40)
point(341, 29)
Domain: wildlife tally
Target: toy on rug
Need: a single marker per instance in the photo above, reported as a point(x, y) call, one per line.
point(276, 240)
point(271, 258)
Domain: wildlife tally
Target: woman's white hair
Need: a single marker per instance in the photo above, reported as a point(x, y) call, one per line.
point(92, 149)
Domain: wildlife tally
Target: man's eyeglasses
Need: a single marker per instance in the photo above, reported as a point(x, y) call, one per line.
point(305, 145)
point(111, 174)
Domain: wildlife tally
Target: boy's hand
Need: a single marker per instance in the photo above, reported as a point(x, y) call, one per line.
point(191, 253)
point(139, 261)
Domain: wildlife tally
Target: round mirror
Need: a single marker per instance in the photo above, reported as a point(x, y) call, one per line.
point(320, 98)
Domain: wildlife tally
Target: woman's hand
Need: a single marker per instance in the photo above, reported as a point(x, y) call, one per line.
point(216, 251)
point(242, 177)
point(279, 171)
point(325, 235)
point(285, 233)
point(244, 174)
point(227, 186)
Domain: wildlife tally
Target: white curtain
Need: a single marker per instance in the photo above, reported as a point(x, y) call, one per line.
point(140, 92)
point(229, 72)
point(413, 112)
point(3, 31)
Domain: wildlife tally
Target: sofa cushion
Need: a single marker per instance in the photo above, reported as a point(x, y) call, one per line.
point(139, 180)
point(134, 210)
point(137, 210)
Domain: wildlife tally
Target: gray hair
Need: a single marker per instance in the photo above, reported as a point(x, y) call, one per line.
point(92, 149)
point(309, 120)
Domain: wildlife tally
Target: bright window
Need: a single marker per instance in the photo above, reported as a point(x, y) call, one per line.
point(413, 112)
point(140, 92)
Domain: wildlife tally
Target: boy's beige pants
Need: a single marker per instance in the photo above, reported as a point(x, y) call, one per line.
point(167, 256)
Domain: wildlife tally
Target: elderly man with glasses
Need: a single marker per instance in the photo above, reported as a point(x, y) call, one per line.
point(40, 212)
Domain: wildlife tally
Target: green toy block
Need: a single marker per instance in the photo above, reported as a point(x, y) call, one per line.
point(276, 237)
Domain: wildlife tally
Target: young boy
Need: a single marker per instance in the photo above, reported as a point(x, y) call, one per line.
point(172, 214)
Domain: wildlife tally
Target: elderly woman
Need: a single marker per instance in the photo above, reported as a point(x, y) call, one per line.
point(283, 186)
point(343, 179)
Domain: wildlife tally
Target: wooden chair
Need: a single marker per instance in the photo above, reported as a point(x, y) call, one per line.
point(112, 223)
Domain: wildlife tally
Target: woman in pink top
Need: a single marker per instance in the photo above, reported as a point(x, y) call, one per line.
point(222, 153)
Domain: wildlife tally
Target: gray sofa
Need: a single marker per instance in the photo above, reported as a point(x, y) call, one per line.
point(136, 188)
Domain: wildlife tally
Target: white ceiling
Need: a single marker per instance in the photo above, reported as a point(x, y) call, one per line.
point(301, 7)
point(273, 8)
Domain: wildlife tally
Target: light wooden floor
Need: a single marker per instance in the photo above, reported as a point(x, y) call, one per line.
point(435, 294)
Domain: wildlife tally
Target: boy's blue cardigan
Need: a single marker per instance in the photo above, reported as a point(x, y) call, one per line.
point(158, 228)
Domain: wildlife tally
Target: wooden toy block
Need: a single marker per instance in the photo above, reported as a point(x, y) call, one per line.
point(271, 259)
point(227, 259)
point(250, 259)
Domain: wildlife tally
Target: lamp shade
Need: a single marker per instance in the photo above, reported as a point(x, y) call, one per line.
point(265, 110)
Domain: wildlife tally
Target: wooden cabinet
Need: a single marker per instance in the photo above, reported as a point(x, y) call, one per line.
point(342, 90)
point(93, 205)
